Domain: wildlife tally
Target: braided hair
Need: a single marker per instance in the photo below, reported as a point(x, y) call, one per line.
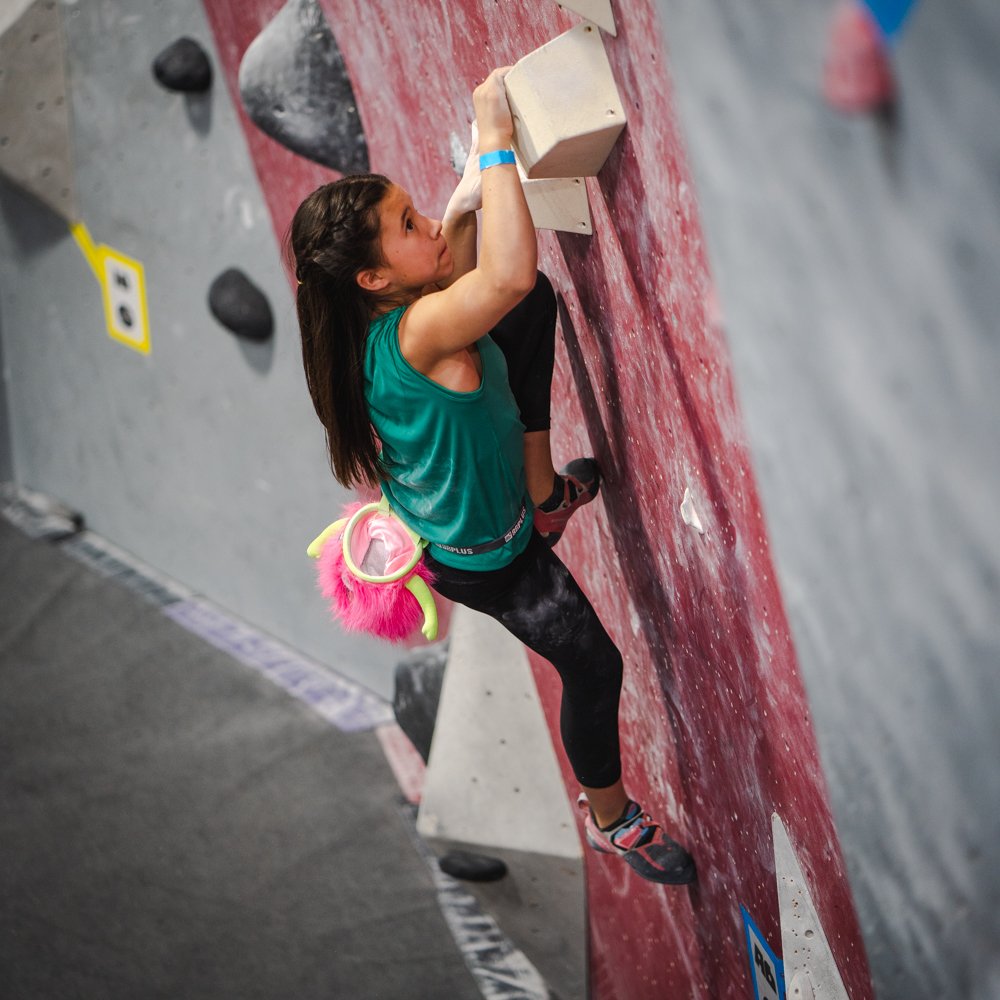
point(334, 236)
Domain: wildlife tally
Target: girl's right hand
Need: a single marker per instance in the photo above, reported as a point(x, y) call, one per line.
point(468, 195)
point(496, 127)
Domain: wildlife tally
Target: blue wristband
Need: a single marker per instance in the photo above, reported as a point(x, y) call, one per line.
point(495, 158)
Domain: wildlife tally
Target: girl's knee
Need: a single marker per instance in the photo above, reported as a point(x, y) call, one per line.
point(608, 667)
point(599, 675)
point(615, 666)
point(540, 302)
point(543, 296)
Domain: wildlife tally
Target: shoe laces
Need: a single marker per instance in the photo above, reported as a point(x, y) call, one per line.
point(644, 822)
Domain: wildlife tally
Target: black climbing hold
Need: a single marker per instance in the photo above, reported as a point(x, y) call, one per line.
point(471, 867)
point(239, 305)
point(417, 693)
point(184, 66)
point(295, 88)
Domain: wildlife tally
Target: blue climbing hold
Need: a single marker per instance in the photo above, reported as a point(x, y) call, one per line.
point(890, 14)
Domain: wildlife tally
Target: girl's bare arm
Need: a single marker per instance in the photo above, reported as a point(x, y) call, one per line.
point(459, 222)
point(441, 323)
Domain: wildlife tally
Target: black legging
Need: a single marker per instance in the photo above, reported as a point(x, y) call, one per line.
point(535, 597)
point(527, 337)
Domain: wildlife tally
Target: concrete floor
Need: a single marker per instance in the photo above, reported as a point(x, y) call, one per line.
point(173, 825)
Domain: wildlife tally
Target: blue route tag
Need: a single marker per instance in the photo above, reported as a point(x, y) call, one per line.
point(766, 970)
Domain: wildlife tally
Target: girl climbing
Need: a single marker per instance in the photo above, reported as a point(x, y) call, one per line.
point(430, 368)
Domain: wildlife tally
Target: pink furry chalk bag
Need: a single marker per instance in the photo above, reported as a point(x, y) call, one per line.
point(369, 565)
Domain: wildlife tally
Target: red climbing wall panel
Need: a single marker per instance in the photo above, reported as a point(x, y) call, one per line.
point(716, 726)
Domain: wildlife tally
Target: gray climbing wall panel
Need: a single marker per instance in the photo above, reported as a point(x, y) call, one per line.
point(6, 460)
point(203, 458)
point(35, 146)
point(855, 264)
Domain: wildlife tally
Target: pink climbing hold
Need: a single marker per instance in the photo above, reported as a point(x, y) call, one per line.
point(857, 75)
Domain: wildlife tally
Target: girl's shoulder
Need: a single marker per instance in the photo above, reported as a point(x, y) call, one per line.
point(386, 321)
point(382, 342)
point(383, 332)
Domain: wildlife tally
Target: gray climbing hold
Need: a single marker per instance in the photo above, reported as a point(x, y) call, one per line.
point(239, 305)
point(184, 66)
point(417, 693)
point(295, 88)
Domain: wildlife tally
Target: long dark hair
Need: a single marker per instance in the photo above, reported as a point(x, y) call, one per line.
point(334, 236)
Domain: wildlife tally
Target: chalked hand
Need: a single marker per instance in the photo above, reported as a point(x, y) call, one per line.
point(468, 195)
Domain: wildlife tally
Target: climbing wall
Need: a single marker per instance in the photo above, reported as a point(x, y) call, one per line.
point(188, 444)
point(855, 257)
point(717, 730)
point(6, 461)
point(777, 309)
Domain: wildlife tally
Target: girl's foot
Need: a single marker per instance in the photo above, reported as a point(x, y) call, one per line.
point(580, 482)
point(641, 843)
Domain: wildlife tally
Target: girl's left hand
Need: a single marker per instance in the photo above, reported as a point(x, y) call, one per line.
point(468, 195)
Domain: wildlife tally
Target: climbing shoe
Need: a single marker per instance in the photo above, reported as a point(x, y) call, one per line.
point(581, 480)
point(641, 843)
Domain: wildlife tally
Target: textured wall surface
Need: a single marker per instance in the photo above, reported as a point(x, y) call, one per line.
point(856, 268)
point(804, 309)
point(203, 458)
point(6, 459)
point(717, 730)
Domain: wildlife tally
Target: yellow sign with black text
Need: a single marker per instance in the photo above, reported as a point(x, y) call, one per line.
point(123, 288)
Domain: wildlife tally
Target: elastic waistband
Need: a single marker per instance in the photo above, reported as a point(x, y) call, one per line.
point(475, 550)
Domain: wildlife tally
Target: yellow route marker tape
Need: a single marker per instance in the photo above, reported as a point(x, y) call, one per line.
point(123, 288)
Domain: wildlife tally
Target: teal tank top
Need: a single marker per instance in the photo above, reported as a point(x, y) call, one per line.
point(455, 459)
